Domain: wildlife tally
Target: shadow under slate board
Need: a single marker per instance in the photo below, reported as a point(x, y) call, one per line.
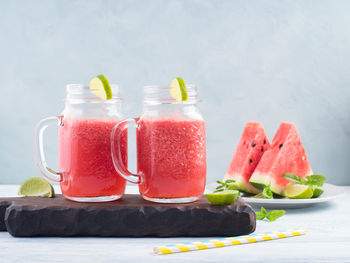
point(131, 216)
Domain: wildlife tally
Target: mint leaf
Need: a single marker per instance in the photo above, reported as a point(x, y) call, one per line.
point(274, 214)
point(271, 216)
point(315, 179)
point(262, 214)
point(220, 187)
point(226, 185)
point(231, 186)
point(311, 180)
point(229, 181)
point(294, 178)
point(267, 193)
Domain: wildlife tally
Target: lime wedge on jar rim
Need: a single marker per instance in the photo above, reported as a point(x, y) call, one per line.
point(99, 86)
point(178, 89)
point(225, 197)
point(36, 186)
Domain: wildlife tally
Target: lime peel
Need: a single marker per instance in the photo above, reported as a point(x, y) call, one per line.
point(298, 191)
point(225, 197)
point(317, 192)
point(36, 186)
point(100, 87)
point(178, 89)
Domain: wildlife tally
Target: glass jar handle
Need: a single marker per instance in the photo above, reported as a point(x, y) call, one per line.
point(117, 131)
point(39, 148)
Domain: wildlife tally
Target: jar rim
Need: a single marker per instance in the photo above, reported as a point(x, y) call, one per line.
point(161, 87)
point(159, 94)
point(82, 93)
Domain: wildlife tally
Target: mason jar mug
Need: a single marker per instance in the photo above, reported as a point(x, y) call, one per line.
point(171, 147)
point(86, 172)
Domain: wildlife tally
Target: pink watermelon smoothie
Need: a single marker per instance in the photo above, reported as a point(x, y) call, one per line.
point(251, 147)
point(286, 155)
point(85, 158)
point(171, 157)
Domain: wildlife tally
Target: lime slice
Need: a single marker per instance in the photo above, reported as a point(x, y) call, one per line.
point(178, 89)
point(317, 192)
point(99, 86)
point(36, 186)
point(298, 191)
point(225, 197)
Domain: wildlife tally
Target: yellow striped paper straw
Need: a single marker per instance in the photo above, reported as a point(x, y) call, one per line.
point(229, 241)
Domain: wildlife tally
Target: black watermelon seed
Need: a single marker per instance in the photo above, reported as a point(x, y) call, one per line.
point(253, 144)
point(280, 145)
point(250, 160)
point(264, 141)
point(262, 149)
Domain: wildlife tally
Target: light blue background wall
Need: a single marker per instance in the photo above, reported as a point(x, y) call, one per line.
point(269, 61)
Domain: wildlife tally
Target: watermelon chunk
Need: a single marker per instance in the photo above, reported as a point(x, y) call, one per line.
point(251, 147)
point(286, 155)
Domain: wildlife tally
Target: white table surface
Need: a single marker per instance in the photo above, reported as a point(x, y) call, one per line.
point(327, 240)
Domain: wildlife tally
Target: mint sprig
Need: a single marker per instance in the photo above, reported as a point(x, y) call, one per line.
point(228, 184)
point(315, 180)
point(266, 193)
point(294, 178)
point(262, 214)
point(311, 180)
point(270, 216)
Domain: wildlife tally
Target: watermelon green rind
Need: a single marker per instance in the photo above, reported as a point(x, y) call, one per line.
point(241, 184)
point(259, 182)
point(277, 189)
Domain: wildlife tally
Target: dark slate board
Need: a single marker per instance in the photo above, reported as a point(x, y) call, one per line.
point(4, 203)
point(131, 216)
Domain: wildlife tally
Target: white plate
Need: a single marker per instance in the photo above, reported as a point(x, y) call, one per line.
point(330, 192)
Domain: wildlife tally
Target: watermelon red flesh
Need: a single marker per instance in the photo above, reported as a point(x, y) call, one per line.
point(286, 155)
point(251, 147)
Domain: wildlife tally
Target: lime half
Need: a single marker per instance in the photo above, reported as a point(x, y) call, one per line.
point(99, 86)
point(178, 89)
point(298, 191)
point(225, 197)
point(36, 186)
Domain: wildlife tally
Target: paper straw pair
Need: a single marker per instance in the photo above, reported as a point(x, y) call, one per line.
point(229, 241)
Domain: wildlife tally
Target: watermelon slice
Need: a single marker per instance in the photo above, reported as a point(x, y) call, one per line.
point(286, 155)
point(251, 147)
